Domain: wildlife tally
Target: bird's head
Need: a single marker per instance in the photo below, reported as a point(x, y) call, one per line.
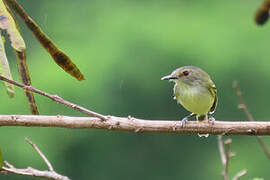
point(189, 75)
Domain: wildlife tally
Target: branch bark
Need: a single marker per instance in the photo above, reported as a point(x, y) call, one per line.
point(100, 121)
point(139, 125)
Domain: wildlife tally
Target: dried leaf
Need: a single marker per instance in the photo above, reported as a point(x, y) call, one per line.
point(262, 13)
point(4, 68)
point(8, 24)
point(25, 76)
point(59, 57)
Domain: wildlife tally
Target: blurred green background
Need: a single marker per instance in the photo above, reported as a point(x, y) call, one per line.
point(123, 48)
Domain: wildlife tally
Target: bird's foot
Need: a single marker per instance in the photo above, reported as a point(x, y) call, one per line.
point(212, 120)
point(184, 120)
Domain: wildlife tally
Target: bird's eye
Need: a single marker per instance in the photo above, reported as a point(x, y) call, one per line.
point(185, 73)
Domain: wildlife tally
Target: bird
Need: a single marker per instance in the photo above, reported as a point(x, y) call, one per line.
point(195, 91)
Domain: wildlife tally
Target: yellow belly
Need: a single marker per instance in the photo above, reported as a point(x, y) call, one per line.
point(197, 100)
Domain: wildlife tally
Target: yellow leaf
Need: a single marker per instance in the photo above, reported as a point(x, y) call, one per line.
point(4, 68)
point(8, 24)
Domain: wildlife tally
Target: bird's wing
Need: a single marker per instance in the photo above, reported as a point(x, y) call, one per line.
point(175, 92)
point(213, 91)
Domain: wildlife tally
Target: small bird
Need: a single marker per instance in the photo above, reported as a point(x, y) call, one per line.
point(195, 91)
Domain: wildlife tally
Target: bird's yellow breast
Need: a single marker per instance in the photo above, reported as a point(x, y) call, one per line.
point(198, 100)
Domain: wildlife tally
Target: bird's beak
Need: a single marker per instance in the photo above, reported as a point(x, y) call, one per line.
point(168, 77)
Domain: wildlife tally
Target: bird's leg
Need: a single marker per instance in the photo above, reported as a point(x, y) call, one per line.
point(211, 119)
point(185, 119)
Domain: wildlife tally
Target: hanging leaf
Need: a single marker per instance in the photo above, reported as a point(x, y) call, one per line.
point(8, 24)
point(262, 13)
point(25, 76)
point(59, 56)
point(4, 68)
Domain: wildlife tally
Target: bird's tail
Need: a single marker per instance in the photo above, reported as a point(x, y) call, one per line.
point(202, 118)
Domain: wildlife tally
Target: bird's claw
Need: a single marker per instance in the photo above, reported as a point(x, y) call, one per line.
point(212, 120)
point(184, 120)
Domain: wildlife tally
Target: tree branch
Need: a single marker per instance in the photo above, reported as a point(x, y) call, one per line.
point(242, 105)
point(128, 124)
point(138, 125)
point(29, 171)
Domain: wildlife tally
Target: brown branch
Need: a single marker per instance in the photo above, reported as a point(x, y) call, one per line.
point(242, 105)
point(128, 124)
point(51, 174)
point(55, 98)
point(139, 125)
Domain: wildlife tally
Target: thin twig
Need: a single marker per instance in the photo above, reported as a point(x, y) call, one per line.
point(242, 105)
point(51, 174)
point(224, 155)
point(240, 174)
point(55, 98)
point(227, 155)
point(221, 150)
point(40, 154)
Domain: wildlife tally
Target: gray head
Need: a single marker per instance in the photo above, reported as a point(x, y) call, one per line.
point(189, 75)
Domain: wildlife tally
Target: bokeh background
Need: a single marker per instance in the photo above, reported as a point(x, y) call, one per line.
point(123, 48)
